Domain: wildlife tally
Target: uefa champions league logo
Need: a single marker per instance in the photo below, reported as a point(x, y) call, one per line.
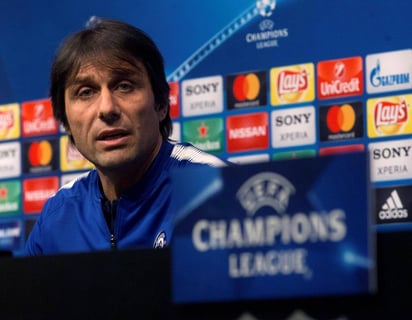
point(265, 7)
point(265, 189)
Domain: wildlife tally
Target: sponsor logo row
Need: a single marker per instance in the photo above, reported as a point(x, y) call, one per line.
point(339, 78)
point(382, 116)
point(27, 196)
point(30, 119)
point(383, 72)
point(299, 126)
point(243, 133)
point(40, 156)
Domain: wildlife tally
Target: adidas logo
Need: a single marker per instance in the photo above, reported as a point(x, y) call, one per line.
point(393, 208)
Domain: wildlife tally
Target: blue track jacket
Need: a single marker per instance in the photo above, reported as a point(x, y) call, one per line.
point(73, 219)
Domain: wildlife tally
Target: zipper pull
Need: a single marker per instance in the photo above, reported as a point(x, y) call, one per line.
point(112, 241)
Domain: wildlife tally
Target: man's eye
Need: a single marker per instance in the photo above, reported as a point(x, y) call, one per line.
point(125, 87)
point(85, 92)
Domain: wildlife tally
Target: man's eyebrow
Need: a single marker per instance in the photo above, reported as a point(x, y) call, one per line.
point(128, 72)
point(79, 80)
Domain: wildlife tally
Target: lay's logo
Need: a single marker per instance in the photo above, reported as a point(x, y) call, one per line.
point(388, 116)
point(9, 121)
point(292, 84)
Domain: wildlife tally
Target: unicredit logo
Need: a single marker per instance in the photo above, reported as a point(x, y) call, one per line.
point(340, 78)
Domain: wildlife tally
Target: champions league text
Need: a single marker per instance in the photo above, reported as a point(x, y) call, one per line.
point(265, 232)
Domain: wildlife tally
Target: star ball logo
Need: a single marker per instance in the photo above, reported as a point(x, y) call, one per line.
point(265, 7)
point(341, 121)
point(246, 90)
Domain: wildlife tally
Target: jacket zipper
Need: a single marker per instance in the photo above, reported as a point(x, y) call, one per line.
point(113, 211)
point(110, 210)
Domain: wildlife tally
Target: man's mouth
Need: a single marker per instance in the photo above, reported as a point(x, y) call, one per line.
point(113, 135)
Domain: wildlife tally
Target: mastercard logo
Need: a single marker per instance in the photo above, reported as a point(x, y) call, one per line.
point(340, 118)
point(246, 87)
point(40, 153)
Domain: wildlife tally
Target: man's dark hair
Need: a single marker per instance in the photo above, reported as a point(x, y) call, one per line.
point(106, 41)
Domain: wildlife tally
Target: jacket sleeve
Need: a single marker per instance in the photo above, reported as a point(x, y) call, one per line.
point(33, 245)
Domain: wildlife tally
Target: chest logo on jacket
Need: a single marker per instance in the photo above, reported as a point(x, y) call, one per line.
point(160, 241)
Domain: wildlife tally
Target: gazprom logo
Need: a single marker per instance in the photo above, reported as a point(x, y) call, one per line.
point(389, 71)
point(265, 189)
point(265, 7)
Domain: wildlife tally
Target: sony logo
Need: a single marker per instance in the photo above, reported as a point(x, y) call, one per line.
point(391, 152)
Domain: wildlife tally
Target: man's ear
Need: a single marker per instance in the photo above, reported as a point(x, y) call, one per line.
point(67, 129)
point(161, 111)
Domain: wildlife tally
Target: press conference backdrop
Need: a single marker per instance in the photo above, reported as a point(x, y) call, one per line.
point(250, 81)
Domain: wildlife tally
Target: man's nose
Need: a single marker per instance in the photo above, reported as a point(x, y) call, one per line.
point(108, 107)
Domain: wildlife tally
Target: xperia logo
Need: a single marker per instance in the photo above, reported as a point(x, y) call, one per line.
point(202, 96)
point(293, 127)
point(391, 160)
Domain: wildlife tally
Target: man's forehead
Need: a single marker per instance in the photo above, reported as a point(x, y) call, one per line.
point(100, 68)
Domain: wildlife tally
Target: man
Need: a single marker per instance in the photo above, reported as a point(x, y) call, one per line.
point(108, 89)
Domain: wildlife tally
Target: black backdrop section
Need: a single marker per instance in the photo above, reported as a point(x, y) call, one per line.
point(136, 285)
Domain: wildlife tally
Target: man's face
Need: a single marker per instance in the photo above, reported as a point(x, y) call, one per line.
point(112, 116)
